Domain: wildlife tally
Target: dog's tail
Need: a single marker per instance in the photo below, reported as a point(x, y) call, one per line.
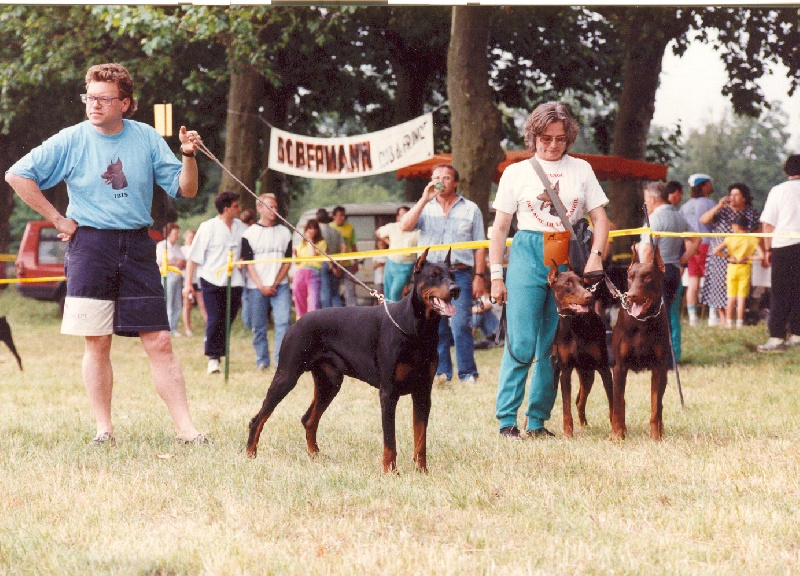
point(5, 336)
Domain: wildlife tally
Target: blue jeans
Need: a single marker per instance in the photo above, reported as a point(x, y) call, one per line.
point(458, 329)
point(329, 295)
point(259, 307)
point(174, 299)
point(532, 318)
point(486, 322)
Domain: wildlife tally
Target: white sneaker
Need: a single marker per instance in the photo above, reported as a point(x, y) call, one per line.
point(713, 320)
point(213, 366)
point(793, 340)
point(469, 380)
point(693, 321)
point(772, 345)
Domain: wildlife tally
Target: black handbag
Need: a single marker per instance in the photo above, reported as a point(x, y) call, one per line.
point(580, 238)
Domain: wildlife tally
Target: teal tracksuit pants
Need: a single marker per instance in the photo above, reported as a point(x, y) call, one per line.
point(532, 320)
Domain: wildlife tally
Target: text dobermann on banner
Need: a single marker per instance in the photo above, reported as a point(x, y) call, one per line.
point(352, 156)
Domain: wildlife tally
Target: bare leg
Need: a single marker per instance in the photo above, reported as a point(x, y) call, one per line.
point(98, 378)
point(168, 380)
point(731, 307)
point(187, 314)
point(740, 303)
point(198, 297)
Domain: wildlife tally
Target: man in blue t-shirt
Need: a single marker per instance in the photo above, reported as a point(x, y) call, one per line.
point(109, 164)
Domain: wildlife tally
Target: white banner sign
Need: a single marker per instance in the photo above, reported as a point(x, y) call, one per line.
point(353, 156)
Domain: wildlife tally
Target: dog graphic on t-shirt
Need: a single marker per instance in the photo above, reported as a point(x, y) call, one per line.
point(115, 176)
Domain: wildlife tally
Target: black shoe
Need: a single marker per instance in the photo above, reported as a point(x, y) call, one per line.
point(540, 433)
point(511, 432)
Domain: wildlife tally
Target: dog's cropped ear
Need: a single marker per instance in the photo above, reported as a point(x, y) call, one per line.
point(421, 261)
point(447, 258)
point(657, 260)
point(551, 276)
point(635, 258)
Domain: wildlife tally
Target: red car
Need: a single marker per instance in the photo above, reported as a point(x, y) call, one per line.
point(41, 255)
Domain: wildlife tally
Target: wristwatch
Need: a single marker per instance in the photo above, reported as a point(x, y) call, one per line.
point(598, 252)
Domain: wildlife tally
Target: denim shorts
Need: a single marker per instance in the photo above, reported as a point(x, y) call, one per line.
point(113, 284)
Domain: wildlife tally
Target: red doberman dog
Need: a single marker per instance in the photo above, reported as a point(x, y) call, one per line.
point(640, 341)
point(580, 343)
point(392, 348)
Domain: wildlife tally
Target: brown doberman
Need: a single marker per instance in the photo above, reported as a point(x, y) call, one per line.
point(392, 348)
point(579, 343)
point(640, 341)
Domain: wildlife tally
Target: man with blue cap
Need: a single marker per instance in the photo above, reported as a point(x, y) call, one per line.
point(699, 203)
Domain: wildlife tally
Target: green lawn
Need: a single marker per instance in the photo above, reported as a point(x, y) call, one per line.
point(720, 495)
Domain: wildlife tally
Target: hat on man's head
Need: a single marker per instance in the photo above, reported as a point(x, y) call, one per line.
point(697, 179)
point(322, 216)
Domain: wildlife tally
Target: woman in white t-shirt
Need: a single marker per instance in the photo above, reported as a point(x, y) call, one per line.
point(531, 311)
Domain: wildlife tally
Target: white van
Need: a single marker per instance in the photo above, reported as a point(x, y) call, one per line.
point(365, 218)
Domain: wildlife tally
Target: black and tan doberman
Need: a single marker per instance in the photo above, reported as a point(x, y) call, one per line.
point(579, 343)
point(392, 348)
point(640, 341)
point(5, 336)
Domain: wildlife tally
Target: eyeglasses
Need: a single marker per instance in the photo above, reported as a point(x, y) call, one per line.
point(104, 100)
point(549, 139)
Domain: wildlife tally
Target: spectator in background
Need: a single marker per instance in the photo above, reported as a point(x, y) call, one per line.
point(330, 275)
point(306, 283)
point(248, 217)
point(175, 259)
point(674, 251)
point(674, 192)
point(714, 293)
point(486, 318)
point(379, 264)
point(782, 214)
point(214, 240)
point(193, 295)
point(349, 235)
point(699, 203)
point(443, 216)
point(267, 287)
point(740, 250)
point(398, 268)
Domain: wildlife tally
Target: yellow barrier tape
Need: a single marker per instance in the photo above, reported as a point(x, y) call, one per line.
point(32, 280)
point(8, 257)
point(485, 244)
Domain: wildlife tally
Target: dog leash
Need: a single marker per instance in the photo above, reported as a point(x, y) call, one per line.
point(374, 293)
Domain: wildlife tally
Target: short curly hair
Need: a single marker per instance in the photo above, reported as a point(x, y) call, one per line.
point(119, 75)
point(546, 114)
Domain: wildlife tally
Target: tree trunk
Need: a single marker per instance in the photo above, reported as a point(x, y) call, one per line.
point(275, 106)
point(645, 37)
point(412, 77)
point(242, 130)
point(475, 120)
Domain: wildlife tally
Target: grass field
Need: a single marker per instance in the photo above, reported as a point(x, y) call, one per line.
point(720, 495)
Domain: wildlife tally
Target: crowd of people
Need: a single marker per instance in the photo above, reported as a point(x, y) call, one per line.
point(114, 280)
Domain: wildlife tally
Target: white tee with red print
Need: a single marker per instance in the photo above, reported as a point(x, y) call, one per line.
point(521, 192)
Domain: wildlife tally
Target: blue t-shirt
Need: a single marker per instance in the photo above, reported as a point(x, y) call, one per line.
point(109, 177)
